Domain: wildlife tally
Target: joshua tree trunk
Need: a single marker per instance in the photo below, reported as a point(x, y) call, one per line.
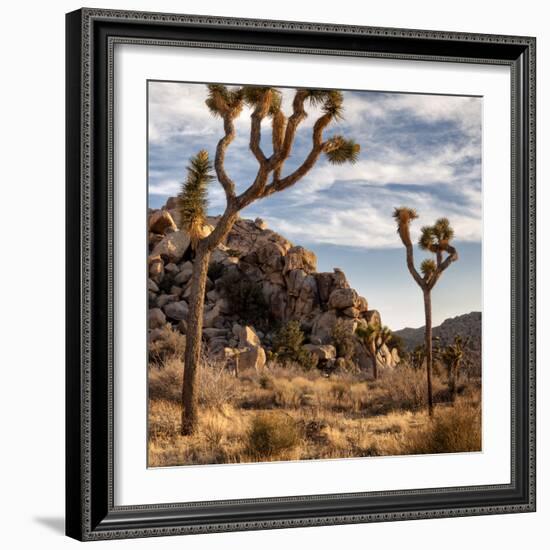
point(428, 341)
point(193, 339)
point(374, 363)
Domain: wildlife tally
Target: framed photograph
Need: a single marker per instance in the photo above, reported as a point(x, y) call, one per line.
point(300, 274)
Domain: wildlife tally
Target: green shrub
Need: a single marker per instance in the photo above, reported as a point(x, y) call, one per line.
point(287, 346)
point(271, 434)
point(246, 299)
point(233, 253)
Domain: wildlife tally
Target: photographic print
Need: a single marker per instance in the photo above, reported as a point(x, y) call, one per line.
point(314, 273)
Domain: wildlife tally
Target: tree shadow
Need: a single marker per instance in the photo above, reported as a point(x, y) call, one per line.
point(56, 524)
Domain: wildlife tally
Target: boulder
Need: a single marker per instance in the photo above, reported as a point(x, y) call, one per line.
point(253, 358)
point(157, 319)
point(362, 304)
point(248, 337)
point(372, 316)
point(152, 286)
point(176, 290)
point(210, 333)
point(323, 326)
point(342, 298)
point(322, 352)
point(156, 269)
point(300, 258)
point(294, 281)
point(271, 256)
point(177, 310)
point(339, 279)
point(223, 306)
point(164, 299)
point(308, 298)
point(324, 284)
point(211, 317)
point(171, 268)
point(395, 356)
point(186, 271)
point(352, 312)
point(173, 246)
point(260, 224)
point(161, 222)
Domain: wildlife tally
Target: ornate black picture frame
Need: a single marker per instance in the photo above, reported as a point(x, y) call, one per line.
point(90, 510)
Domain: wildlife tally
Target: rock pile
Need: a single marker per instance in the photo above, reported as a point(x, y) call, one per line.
point(284, 275)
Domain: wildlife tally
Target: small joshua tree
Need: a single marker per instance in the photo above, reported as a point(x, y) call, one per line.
point(418, 355)
point(374, 337)
point(227, 104)
point(452, 356)
point(192, 200)
point(435, 239)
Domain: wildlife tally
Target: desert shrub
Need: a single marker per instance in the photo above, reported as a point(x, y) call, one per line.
point(166, 382)
point(271, 434)
point(287, 394)
point(405, 387)
point(343, 342)
point(246, 299)
point(233, 253)
point(339, 391)
point(215, 271)
point(455, 429)
point(265, 381)
point(216, 385)
point(287, 346)
point(170, 345)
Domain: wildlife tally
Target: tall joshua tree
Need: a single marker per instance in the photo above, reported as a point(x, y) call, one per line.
point(435, 239)
point(374, 337)
point(265, 103)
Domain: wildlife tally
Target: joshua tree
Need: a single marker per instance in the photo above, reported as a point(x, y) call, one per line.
point(265, 103)
point(452, 357)
point(417, 357)
point(374, 337)
point(435, 239)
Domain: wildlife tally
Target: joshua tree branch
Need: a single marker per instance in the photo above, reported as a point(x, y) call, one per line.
point(256, 190)
point(257, 116)
point(403, 231)
point(297, 116)
point(316, 150)
point(219, 161)
point(452, 257)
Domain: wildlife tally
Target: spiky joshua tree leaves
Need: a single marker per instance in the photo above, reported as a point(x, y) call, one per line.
point(265, 103)
point(192, 200)
point(437, 240)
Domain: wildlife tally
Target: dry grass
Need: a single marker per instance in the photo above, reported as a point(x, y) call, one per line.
point(292, 414)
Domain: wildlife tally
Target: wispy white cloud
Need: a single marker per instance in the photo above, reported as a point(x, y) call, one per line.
point(420, 150)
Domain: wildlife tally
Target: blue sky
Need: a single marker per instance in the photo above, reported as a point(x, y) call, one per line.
point(422, 151)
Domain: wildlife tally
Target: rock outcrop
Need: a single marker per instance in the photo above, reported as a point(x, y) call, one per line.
point(256, 263)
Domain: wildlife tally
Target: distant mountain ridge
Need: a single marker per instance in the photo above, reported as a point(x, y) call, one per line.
point(467, 325)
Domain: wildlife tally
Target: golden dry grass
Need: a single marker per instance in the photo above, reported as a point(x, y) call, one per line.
point(289, 414)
